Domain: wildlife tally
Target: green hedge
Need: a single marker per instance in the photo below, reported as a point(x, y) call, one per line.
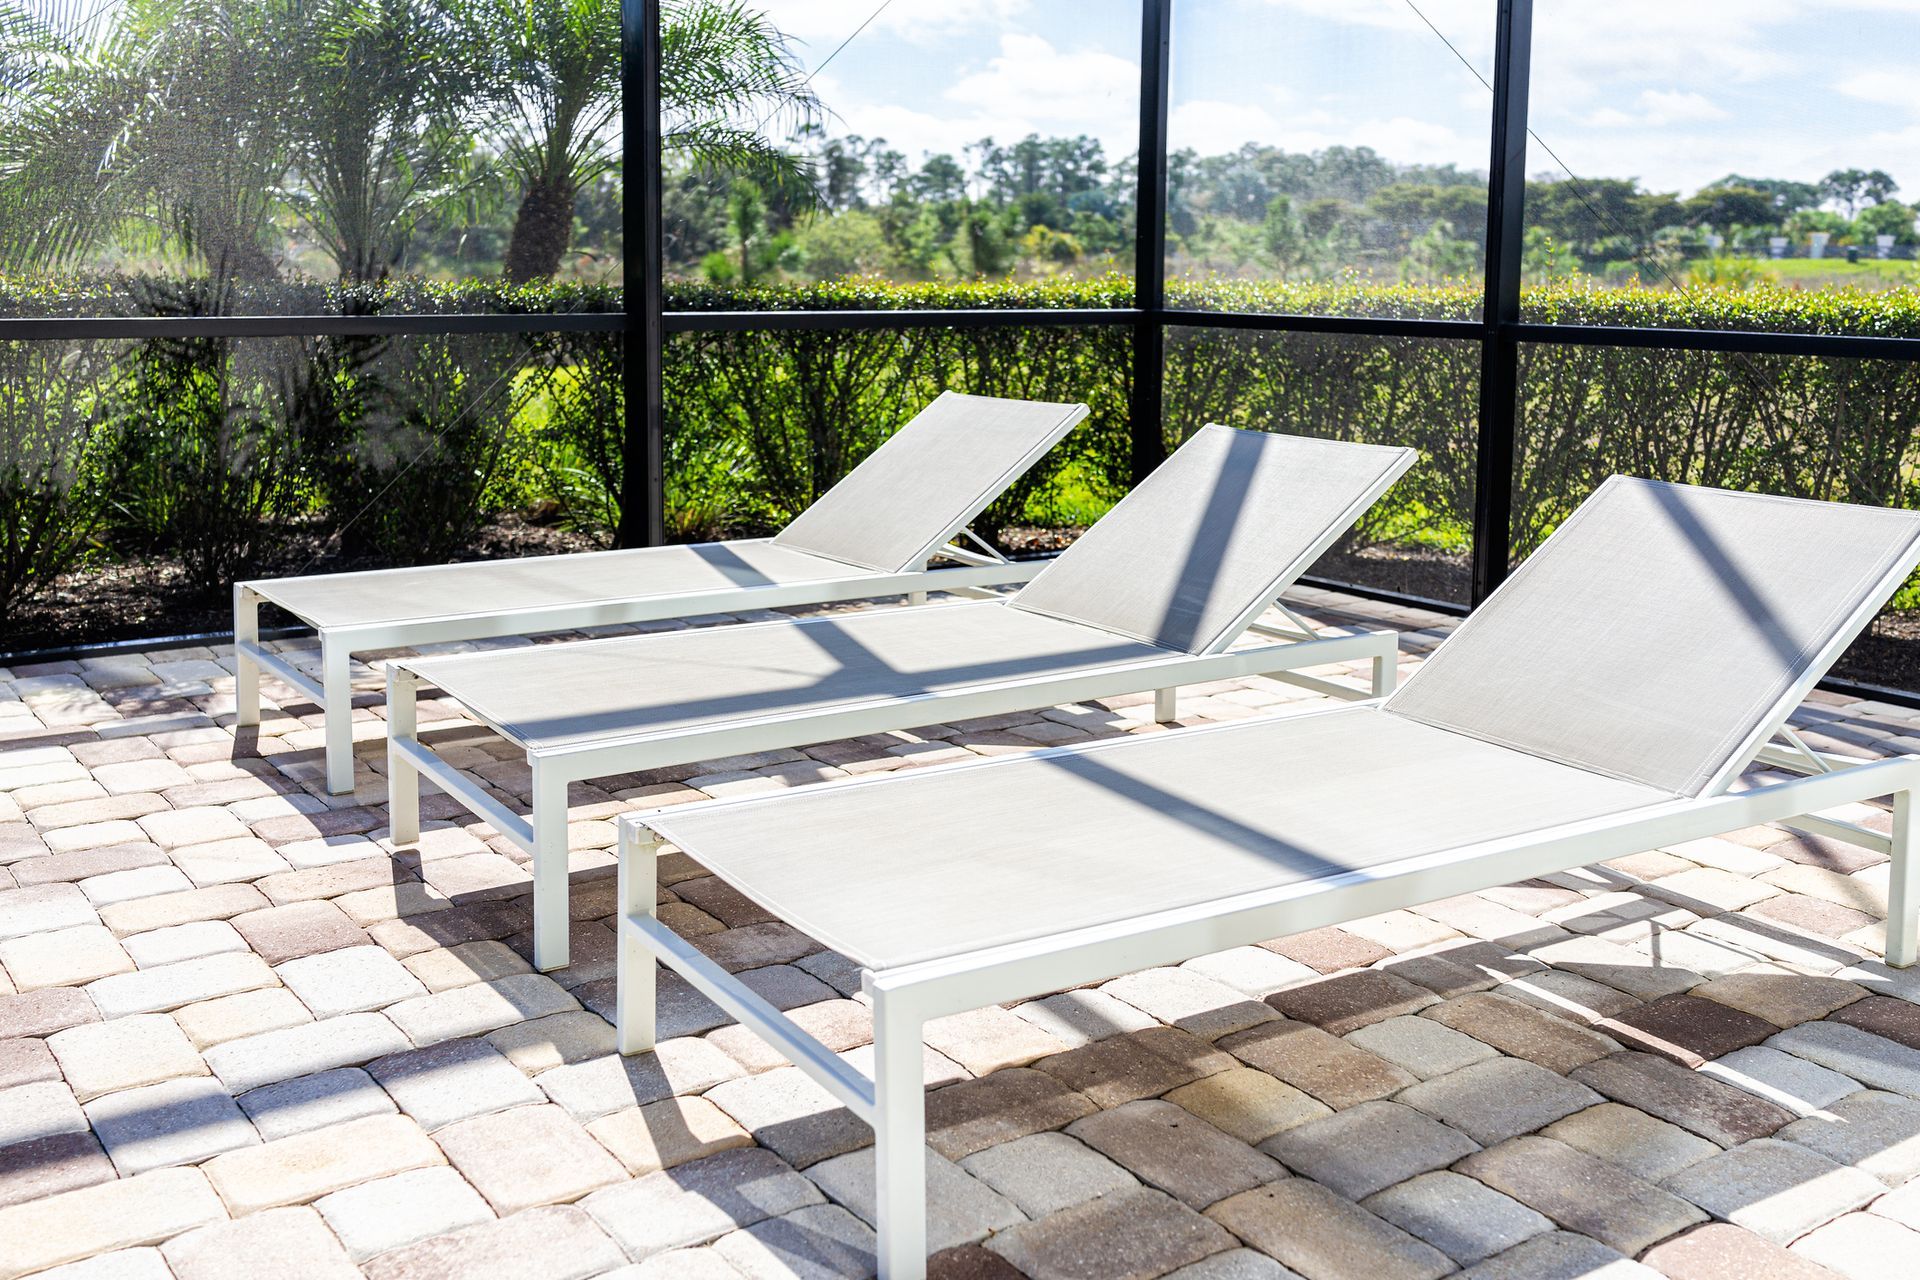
point(212, 450)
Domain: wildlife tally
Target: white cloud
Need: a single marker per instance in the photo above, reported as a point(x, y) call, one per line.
point(1889, 88)
point(1658, 108)
point(1031, 77)
point(822, 24)
point(1028, 87)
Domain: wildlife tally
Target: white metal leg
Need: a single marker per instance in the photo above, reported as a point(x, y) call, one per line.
point(899, 1141)
point(246, 672)
point(1386, 669)
point(1903, 904)
point(336, 702)
point(916, 598)
point(403, 780)
point(550, 901)
point(1166, 705)
point(635, 968)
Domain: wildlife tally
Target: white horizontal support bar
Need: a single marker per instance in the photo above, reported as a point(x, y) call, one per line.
point(1331, 688)
point(271, 661)
point(456, 784)
point(1781, 757)
point(1852, 833)
point(753, 1012)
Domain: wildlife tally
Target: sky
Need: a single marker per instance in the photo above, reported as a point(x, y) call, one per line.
point(1676, 93)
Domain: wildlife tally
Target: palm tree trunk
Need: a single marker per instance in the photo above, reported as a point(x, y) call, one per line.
point(542, 229)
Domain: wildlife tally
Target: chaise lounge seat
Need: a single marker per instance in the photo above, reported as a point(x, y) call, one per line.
point(876, 533)
point(1154, 596)
point(1604, 701)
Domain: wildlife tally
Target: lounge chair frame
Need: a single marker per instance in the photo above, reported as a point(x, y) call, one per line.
point(906, 997)
point(972, 572)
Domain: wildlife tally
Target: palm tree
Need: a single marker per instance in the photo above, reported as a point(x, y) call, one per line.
point(176, 117)
point(727, 73)
point(384, 88)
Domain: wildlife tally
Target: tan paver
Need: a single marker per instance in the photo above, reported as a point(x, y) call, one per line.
point(113, 1215)
point(122, 1053)
point(292, 1242)
point(303, 1168)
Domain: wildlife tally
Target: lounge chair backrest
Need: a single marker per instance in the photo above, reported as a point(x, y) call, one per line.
point(1211, 538)
point(928, 480)
point(1665, 631)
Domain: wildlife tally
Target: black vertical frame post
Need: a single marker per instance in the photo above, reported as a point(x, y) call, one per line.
point(1146, 414)
point(643, 471)
point(1500, 348)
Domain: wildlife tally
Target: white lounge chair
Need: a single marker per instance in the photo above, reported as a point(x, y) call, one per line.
point(1601, 703)
point(1149, 598)
point(876, 533)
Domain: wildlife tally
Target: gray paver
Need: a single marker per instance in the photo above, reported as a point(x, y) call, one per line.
point(819, 1242)
point(961, 1209)
point(1044, 1173)
point(1464, 1219)
point(1499, 1099)
point(1423, 1046)
point(1774, 1189)
point(1874, 1061)
point(1369, 1147)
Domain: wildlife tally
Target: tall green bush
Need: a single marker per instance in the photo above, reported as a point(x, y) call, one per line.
point(52, 437)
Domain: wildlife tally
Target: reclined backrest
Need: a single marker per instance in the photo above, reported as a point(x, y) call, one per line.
point(928, 480)
point(1208, 541)
point(1664, 631)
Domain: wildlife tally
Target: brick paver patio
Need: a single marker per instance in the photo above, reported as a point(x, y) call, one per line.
point(242, 1035)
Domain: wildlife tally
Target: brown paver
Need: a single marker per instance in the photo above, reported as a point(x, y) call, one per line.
point(1781, 996)
point(1523, 1031)
point(1128, 1235)
point(1176, 1151)
point(1687, 1029)
point(975, 1114)
point(1144, 1064)
point(1715, 1111)
point(297, 929)
point(1317, 1063)
point(1897, 1020)
point(1352, 1000)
